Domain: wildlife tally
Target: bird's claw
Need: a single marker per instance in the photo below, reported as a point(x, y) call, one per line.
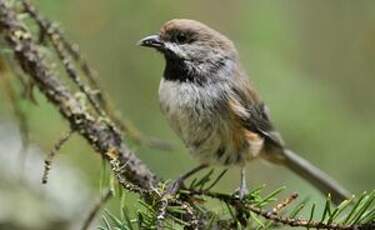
point(241, 192)
point(173, 187)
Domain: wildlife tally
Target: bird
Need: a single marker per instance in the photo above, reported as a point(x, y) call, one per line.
point(212, 105)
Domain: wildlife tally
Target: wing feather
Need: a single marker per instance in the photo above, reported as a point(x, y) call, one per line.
point(252, 112)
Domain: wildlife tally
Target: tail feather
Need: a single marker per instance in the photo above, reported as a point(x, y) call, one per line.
point(315, 176)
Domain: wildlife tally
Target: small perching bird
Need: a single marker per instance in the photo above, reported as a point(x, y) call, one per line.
point(211, 105)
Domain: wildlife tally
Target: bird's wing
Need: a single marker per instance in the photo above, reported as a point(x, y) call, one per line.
point(253, 113)
point(259, 121)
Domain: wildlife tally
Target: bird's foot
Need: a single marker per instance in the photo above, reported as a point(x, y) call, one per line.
point(241, 192)
point(178, 183)
point(174, 186)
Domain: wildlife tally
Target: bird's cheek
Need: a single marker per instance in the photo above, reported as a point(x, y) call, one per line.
point(176, 50)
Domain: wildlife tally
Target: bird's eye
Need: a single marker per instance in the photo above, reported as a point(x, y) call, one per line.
point(181, 38)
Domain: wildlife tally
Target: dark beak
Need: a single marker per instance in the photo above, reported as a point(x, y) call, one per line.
point(151, 41)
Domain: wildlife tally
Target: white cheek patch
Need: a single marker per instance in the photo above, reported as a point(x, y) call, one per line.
point(176, 49)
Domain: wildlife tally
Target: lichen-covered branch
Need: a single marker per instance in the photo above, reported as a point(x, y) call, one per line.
point(52, 154)
point(99, 132)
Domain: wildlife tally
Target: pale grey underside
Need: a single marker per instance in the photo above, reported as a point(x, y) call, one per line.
point(199, 116)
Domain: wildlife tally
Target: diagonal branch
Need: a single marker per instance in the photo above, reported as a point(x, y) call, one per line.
point(101, 134)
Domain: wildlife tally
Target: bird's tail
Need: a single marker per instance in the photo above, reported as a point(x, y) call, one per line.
point(315, 176)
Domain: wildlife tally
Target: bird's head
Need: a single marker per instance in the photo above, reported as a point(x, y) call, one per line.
point(193, 46)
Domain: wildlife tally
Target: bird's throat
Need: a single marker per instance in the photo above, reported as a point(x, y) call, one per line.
point(181, 71)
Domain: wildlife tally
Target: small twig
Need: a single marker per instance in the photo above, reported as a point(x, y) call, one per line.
point(52, 154)
point(293, 222)
point(95, 210)
point(298, 222)
point(72, 48)
point(118, 169)
point(276, 210)
point(50, 30)
point(89, 72)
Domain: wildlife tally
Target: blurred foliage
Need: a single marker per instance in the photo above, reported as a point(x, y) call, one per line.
point(313, 62)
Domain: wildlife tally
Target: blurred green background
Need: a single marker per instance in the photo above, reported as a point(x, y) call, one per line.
point(312, 61)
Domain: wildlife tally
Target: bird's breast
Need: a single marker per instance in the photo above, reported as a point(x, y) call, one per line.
point(189, 109)
point(200, 118)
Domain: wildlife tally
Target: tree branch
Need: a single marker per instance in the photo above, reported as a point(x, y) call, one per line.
point(101, 134)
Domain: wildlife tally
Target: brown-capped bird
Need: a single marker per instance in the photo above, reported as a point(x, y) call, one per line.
point(211, 105)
